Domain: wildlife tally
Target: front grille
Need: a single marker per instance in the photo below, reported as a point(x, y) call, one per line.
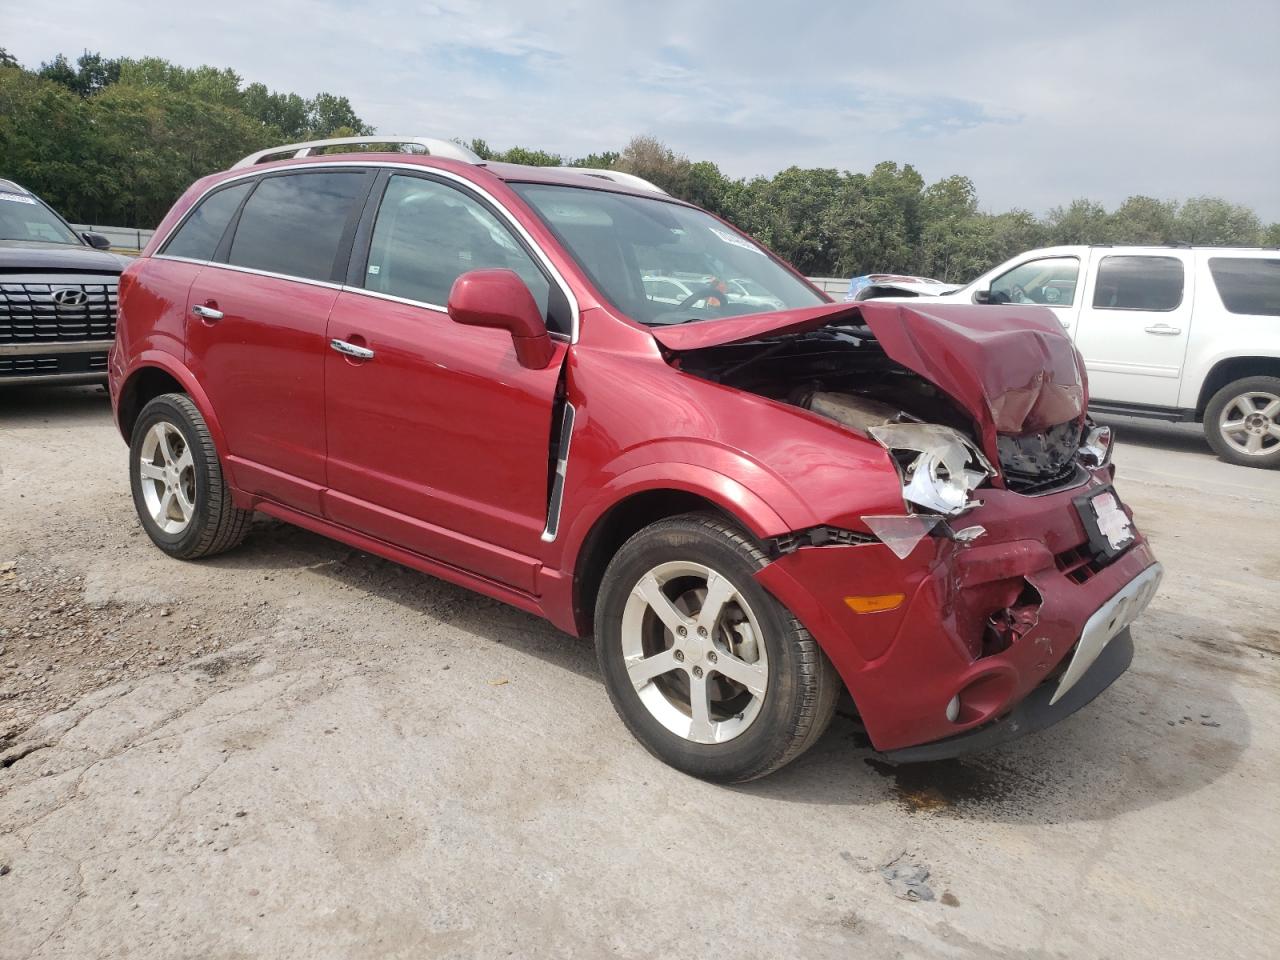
point(1080, 564)
point(1040, 462)
point(29, 312)
point(12, 365)
point(66, 364)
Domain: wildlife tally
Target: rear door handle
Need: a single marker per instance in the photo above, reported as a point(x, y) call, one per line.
point(1163, 330)
point(351, 350)
point(206, 313)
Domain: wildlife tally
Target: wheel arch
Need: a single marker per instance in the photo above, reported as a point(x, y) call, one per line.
point(1231, 369)
point(598, 536)
point(154, 374)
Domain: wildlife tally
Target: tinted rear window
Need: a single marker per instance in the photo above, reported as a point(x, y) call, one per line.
point(198, 236)
point(1248, 285)
point(1139, 283)
point(293, 224)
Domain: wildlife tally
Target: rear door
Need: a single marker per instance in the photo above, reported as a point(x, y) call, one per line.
point(439, 441)
point(1134, 325)
point(256, 320)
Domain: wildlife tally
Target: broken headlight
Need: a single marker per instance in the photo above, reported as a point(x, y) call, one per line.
point(1095, 451)
point(939, 466)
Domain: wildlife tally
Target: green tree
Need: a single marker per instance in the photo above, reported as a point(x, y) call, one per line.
point(1213, 221)
point(1143, 220)
point(1082, 221)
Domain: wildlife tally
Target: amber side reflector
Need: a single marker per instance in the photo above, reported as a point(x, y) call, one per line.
point(877, 604)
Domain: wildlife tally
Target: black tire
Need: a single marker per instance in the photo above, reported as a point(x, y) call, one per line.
point(1269, 457)
point(216, 524)
point(802, 689)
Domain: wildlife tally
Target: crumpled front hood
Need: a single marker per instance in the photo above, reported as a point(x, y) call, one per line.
point(1011, 367)
point(19, 255)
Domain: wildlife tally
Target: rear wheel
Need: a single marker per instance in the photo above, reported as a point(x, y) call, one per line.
point(178, 488)
point(1242, 422)
point(708, 671)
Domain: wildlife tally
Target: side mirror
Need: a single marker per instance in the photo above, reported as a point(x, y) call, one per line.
point(499, 299)
point(97, 241)
point(982, 296)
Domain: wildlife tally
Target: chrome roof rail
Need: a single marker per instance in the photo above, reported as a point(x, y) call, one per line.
point(617, 176)
point(430, 145)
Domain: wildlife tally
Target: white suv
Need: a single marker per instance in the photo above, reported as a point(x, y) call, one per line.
point(1174, 333)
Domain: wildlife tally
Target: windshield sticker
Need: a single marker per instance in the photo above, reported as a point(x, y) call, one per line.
point(17, 198)
point(736, 241)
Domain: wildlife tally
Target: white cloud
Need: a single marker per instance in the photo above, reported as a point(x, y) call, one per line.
point(1037, 104)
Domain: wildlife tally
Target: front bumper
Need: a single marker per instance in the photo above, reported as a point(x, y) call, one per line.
point(54, 362)
point(904, 666)
point(1037, 712)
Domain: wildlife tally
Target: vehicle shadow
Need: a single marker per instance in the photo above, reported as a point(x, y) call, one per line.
point(274, 546)
point(1158, 434)
point(21, 405)
point(1143, 742)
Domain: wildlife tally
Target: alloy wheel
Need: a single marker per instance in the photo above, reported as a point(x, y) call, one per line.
point(694, 652)
point(167, 469)
point(1250, 423)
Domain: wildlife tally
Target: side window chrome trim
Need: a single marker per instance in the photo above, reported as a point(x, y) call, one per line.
point(169, 256)
point(236, 268)
point(507, 215)
point(422, 305)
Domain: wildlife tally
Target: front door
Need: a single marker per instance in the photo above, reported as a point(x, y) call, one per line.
point(256, 329)
point(1134, 325)
point(1048, 281)
point(438, 440)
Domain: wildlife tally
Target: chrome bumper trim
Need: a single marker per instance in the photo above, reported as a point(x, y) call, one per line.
point(1107, 622)
point(52, 347)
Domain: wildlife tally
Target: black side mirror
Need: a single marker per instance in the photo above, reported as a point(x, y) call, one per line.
point(97, 241)
point(982, 296)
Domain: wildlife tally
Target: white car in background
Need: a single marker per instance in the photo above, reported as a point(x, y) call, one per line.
point(679, 290)
point(1174, 333)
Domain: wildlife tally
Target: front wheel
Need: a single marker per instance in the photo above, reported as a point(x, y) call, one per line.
point(1242, 422)
point(708, 671)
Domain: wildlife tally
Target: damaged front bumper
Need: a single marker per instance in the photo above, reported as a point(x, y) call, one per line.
point(987, 631)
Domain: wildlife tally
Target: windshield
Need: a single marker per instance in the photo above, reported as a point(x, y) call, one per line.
point(662, 262)
point(26, 218)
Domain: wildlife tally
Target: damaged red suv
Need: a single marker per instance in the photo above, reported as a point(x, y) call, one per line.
point(540, 384)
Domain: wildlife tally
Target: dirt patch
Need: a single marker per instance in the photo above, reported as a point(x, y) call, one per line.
point(60, 641)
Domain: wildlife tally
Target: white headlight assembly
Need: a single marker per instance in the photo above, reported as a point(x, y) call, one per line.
point(940, 466)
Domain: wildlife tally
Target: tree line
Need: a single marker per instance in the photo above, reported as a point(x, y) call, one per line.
point(115, 141)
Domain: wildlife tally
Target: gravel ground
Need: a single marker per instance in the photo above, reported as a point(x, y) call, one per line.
point(297, 749)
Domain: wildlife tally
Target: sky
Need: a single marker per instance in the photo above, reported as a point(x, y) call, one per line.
point(1038, 103)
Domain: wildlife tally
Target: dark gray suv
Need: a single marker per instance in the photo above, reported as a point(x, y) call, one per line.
point(57, 294)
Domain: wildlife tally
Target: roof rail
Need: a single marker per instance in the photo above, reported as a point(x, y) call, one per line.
point(430, 145)
point(617, 176)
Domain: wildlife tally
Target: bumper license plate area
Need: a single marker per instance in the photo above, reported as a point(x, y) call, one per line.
point(1109, 528)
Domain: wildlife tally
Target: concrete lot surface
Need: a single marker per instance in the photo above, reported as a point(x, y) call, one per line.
point(297, 750)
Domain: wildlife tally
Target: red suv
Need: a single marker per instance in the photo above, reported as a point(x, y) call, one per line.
point(457, 366)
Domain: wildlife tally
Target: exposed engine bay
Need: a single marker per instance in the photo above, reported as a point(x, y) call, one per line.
point(839, 371)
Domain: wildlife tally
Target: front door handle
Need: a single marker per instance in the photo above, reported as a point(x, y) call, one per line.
point(351, 350)
point(206, 313)
point(1163, 330)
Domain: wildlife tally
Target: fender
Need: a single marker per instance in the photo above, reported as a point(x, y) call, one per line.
point(160, 359)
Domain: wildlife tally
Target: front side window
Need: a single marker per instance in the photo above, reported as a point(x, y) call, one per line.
point(1139, 283)
point(428, 234)
point(1248, 285)
point(620, 241)
point(200, 233)
point(1051, 281)
point(293, 224)
point(23, 217)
